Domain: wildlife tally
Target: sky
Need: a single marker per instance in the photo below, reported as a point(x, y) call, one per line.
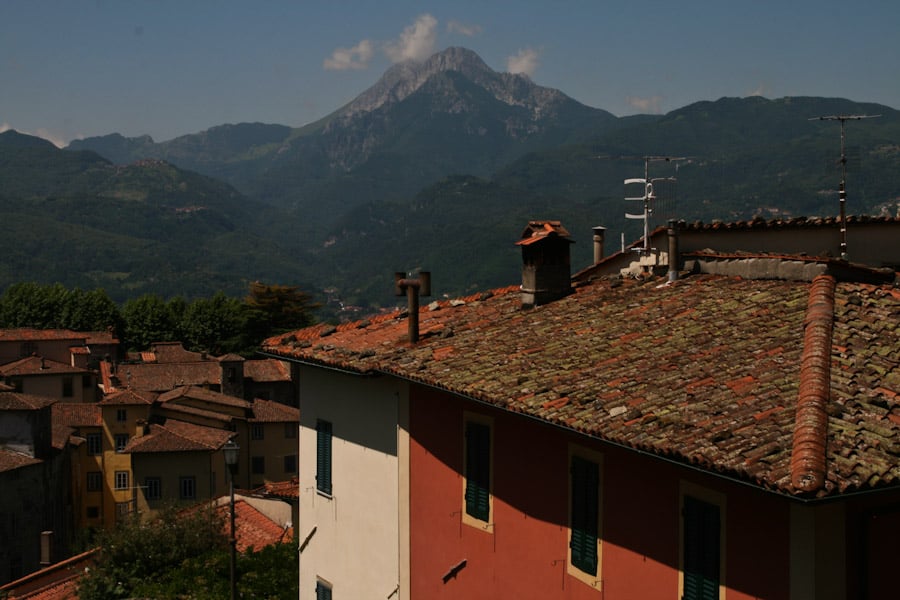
point(77, 68)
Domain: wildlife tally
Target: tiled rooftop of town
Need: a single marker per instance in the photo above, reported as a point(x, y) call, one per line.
point(706, 370)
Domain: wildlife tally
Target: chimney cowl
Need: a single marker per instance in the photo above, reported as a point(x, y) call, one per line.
point(546, 265)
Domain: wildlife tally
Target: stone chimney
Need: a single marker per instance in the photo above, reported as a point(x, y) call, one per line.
point(546, 267)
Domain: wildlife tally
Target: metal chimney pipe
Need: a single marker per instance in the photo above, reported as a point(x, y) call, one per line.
point(599, 235)
point(46, 548)
point(673, 250)
point(412, 288)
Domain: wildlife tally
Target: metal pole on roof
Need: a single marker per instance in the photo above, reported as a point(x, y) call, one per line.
point(842, 191)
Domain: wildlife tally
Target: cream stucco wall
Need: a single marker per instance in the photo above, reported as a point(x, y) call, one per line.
point(352, 539)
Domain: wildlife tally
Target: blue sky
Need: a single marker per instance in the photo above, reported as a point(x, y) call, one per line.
point(76, 68)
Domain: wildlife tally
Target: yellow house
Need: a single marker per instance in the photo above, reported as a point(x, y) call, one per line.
point(41, 376)
point(272, 444)
point(124, 415)
point(178, 462)
point(85, 442)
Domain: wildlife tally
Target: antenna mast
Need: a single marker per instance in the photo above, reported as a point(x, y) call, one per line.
point(648, 196)
point(842, 192)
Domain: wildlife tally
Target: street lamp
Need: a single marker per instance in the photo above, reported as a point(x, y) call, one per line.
point(230, 450)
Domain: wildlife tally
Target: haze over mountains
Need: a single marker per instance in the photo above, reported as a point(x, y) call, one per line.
point(439, 166)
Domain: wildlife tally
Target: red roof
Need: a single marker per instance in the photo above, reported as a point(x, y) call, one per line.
point(706, 370)
point(10, 460)
point(128, 397)
point(77, 414)
point(35, 365)
point(18, 401)
point(179, 436)
point(56, 582)
point(267, 370)
point(253, 530)
point(268, 411)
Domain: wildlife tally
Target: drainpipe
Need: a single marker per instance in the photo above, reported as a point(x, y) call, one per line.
point(673, 250)
point(599, 233)
point(412, 288)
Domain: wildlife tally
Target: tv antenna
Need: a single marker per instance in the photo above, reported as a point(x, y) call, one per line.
point(842, 191)
point(655, 190)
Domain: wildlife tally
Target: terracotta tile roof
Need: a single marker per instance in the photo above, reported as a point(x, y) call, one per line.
point(35, 365)
point(17, 401)
point(28, 334)
point(269, 411)
point(77, 414)
point(186, 412)
point(156, 377)
point(280, 489)
point(199, 393)
point(128, 397)
point(253, 530)
point(172, 352)
point(179, 436)
point(267, 369)
point(539, 230)
point(56, 582)
point(10, 460)
point(705, 371)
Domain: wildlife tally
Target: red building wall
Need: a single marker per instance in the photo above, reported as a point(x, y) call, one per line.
point(524, 556)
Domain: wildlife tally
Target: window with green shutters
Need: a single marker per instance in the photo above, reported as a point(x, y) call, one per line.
point(702, 527)
point(478, 471)
point(585, 514)
point(323, 456)
point(323, 591)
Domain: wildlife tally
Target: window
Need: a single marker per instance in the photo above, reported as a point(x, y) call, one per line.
point(323, 457)
point(18, 385)
point(94, 444)
point(122, 480)
point(94, 481)
point(121, 441)
point(67, 389)
point(93, 512)
point(290, 430)
point(702, 545)
point(478, 471)
point(290, 463)
point(257, 432)
point(257, 464)
point(323, 590)
point(123, 509)
point(187, 488)
point(584, 515)
point(152, 488)
point(121, 415)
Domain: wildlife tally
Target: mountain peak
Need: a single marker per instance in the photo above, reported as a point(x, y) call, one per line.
point(404, 79)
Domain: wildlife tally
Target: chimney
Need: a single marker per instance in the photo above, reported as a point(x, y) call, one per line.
point(599, 234)
point(674, 259)
point(412, 288)
point(46, 548)
point(546, 267)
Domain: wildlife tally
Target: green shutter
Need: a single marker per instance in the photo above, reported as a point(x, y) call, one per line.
point(478, 471)
point(323, 457)
point(585, 514)
point(323, 592)
point(701, 550)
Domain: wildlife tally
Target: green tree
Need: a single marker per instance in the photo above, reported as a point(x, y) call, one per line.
point(135, 551)
point(149, 319)
point(216, 325)
point(275, 309)
point(91, 310)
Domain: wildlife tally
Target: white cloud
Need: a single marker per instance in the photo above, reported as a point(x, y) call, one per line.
point(455, 26)
point(357, 57)
point(525, 62)
point(416, 42)
point(54, 139)
point(651, 105)
point(761, 90)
